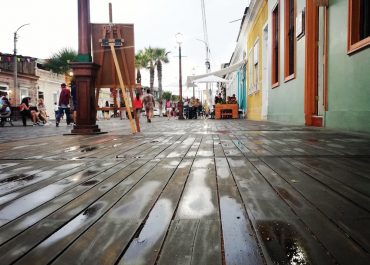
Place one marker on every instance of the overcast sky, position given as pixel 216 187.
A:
pixel 53 26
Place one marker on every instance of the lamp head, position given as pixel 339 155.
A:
pixel 179 38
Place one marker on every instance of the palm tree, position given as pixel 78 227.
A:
pixel 141 62
pixel 59 62
pixel 150 57
pixel 160 56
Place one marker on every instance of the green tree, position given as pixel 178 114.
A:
pixel 141 62
pixel 160 56
pixel 166 95
pixel 59 62
pixel 150 60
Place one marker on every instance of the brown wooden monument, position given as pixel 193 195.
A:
pixel 104 70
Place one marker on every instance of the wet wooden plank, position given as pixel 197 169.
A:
pixel 146 245
pixel 104 241
pixel 71 218
pixel 199 200
pixel 194 148
pixel 179 245
pixel 183 148
pixel 352 195
pixel 206 147
pixel 239 241
pixel 346 177
pixel 217 147
pixel 281 235
pixel 345 214
pixel 334 240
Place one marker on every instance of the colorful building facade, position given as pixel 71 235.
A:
pixel 319 63
pixel 257 20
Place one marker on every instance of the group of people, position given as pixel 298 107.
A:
pixel 66 106
pixel 37 114
pixel 5 109
pixel 193 108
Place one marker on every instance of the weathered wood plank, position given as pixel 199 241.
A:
pixel 70 219
pixel 323 228
pixel 281 235
pixel 200 199
pixel 109 232
pixel 345 214
pixel 145 247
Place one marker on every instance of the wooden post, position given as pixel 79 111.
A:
pixel 85 74
pixel 123 87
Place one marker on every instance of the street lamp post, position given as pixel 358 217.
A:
pixel 15 68
pixel 180 104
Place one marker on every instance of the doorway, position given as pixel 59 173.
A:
pixel 315 68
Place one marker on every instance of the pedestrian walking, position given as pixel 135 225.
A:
pixel 168 108
pixel 64 98
pixel 138 104
pixel 149 104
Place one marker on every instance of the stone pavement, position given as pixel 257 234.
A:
pixel 184 192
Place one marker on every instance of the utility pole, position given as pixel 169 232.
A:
pixel 207 62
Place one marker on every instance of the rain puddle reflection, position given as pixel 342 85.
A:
pixel 73 226
pixel 283 243
pixel 154 229
pixel 135 203
pixel 5 165
pixel 239 244
pixel 197 199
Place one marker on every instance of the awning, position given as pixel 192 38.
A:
pixel 211 79
pixel 219 73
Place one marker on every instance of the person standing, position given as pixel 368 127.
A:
pixel 168 108
pixel 64 98
pixel 106 113
pixel 138 104
pixel 74 101
pixel 149 104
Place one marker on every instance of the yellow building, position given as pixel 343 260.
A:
pixel 256 39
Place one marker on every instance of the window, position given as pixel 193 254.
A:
pixel 289 40
pixel 23 93
pixel 358 24
pixel 275 46
pixel 41 94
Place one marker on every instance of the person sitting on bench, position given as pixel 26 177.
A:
pixel 26 112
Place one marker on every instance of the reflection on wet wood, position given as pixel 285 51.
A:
pixel 193 192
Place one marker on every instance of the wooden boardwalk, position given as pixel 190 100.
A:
pixel 185 192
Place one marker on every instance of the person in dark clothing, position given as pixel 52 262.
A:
pixel 26 112
pixel 64 97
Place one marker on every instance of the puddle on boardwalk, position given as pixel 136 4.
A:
pixel 135 203
pixel 85 149
pixel 239 243
pixel 223 172
pixel 154 229
pixel 203 162
pixel 72 148
pixel 283 243
pixel 197 199
pixel 71 227
pixel 68 166
pixel 5 165
pixel 89 183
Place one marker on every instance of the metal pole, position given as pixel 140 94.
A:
pixel 15 68
pixel 180 106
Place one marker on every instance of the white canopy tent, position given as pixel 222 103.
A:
pixel 219 73
pixel 212 77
